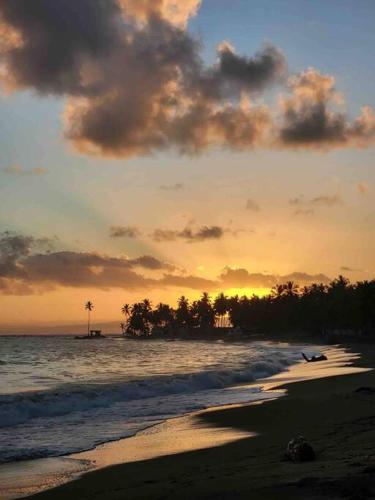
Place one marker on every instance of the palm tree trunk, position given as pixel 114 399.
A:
pixel 88 323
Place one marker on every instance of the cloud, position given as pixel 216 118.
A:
pixel 306 206
pixel 178 186
pixel 173 11
pixel 249 73
pixel 326 201
pixel 189 234
pixel 310 117
pixel 17 170
pixel 203 233
pixel 252 205
pixel 304 211
pixel 134 81
pixel 193 282
pixel 241 278
pixel 305 278
pixel 133 77
pixel 362 188
pixel 29 265
pixel 125 232
pixel 149 262
pixel 350 269
pixel 33 264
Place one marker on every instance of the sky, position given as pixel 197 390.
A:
pixel 161 148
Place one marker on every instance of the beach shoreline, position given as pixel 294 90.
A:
pixel 226 418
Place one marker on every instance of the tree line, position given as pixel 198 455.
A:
pixel 317 308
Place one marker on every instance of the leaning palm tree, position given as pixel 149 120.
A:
pixel 89 306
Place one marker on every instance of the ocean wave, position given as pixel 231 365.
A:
pixel 16 409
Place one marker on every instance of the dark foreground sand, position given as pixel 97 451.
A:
pixel 336 414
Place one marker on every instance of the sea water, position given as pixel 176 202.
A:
pixel 59 395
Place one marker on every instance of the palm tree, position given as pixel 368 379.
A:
pixel 278 291
pixel 183 313
pixel 138 323
pixel 291 289
pixel 126 312
pixel 203 311
pixel 221 307
pixel 89 306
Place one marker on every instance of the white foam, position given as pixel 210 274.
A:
pixel 20 408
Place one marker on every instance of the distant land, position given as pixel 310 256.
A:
pixel 59 329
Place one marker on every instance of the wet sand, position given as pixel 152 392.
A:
pixel 237 451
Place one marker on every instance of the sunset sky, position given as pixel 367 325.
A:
pixel 162 147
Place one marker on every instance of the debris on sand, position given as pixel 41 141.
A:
pixel 300 450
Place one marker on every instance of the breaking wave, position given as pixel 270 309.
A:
pixel 21 408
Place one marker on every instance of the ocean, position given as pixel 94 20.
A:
pixel 60 395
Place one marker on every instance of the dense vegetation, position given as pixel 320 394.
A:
pixel 317 308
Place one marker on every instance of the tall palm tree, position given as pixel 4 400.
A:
pixel 89 306
pixel 126 312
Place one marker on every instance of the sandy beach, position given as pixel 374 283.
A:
pixel 237 451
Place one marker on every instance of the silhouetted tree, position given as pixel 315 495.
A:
pixel 162 316
pixel 126 312
pixel 203 312
pixel 316 308
pixel 221 307
pixel 89 306
pixel 183 316
pixel 140 318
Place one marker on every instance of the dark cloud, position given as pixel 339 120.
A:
pixel 23 264
pixel 56 41
pixel 172 187
pixel 188 234
pixel 310 116
pixel 250 73
pixel 134 87
pixel 14 248
pixel 136 83
pixel 252 205
pixel 29 266
pixel 124 232
pixel 149 262
pixel 17 170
